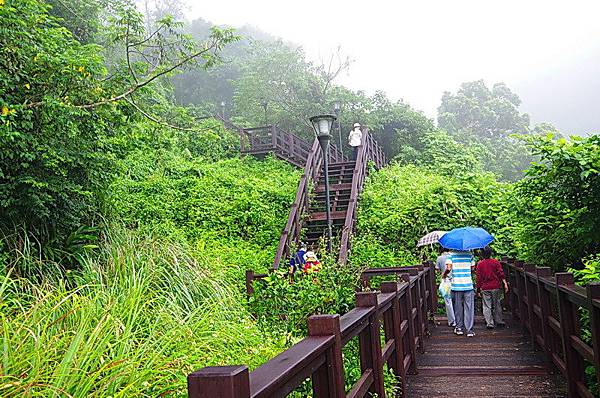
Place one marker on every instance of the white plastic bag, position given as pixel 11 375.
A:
pixel 444 289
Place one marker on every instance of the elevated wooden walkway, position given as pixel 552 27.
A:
pixel 544 351
pixel 494 363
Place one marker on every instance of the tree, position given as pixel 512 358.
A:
pixel 292 88
pixel 63 110
pixel 476 114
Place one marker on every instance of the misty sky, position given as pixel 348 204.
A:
pixel 546 51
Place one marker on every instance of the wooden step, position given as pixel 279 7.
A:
pixel 342 164
pixel 339 215
pixel 334 187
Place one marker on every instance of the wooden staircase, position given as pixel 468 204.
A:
pixel 307 220
pixel 340 186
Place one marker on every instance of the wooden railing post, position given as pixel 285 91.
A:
pixel 418 304
pixel 593 295
pixel 242 145
pixel 370 344
pixel 249 279
pixel 328 380
pixel 432 288
pixel 514 289
pixel 273 137
pixel 219 382
pixel 408 304
pixel 423 285
pixel 531 293
pixel 568 323
pixel 392 321
pixel 520 282
pixel 545 311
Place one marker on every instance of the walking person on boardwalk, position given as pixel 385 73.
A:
pixel 440 264
pixel 459 265
pixel 490 278
pixel 354 139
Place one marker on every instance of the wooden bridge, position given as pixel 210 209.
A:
pixel 542 352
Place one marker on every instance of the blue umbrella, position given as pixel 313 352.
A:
pixel 466 238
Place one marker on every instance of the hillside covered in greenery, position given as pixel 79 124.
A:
pixel 128 218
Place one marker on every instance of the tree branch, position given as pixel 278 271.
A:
pixel 163 123
pixel 144 83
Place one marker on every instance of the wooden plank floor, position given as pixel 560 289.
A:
pixel 494 363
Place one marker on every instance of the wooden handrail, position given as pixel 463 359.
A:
pixel 293 225
pixel 369 150
pixel 548 308
pixel 403 307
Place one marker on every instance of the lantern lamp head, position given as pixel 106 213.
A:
pixel 322 124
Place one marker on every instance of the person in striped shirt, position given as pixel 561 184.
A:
pixel 460 264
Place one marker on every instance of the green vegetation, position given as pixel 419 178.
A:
pixel 138 315
pixel 402 203
pixel 127 220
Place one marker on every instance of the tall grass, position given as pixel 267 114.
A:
pixel 138 316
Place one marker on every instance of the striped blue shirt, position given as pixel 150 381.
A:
pixel 461 270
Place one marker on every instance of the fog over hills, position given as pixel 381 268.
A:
pixel 546 52
pixel 567 96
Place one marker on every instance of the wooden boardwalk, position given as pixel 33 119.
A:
pixel 494 363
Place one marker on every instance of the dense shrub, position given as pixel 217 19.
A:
pixel 556 208
pixel 402 203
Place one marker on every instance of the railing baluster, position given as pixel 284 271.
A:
pixel 408 304
pixel 530 292
pixel 520 279
pixel 544 300
pixel 568 312
pixel 417 304
pixel 593 294
pixel 392 322
pixel 370 346
pixel 432 288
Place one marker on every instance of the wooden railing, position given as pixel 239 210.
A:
pixel 288 146
pixel 402 307
pixel 550 309
pixel 369 150
pixel 291 231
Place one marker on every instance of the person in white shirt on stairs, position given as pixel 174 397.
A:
pixel 354 139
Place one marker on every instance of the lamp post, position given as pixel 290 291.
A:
pixel 265 104
pixel 322 125
pixel 337 108
pixel 223 109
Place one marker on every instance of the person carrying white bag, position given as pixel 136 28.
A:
pixel 445 286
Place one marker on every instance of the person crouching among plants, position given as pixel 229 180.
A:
pixel 490 279
pixel 297 260
pixel 311 263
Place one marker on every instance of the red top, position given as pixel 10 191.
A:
pixel 489 274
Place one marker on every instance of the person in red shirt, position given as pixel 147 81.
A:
pixel 490 279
